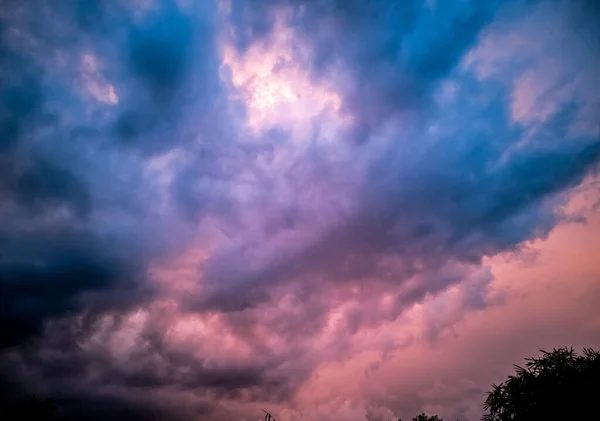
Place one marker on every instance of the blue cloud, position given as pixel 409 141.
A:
pixel 66 185
pixel 432 175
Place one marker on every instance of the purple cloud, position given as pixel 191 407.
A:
pixel 209 207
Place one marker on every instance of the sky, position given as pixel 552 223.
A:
pixel 331 210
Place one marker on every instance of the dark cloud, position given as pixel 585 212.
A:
pixel 54 261
pixel 159 54
pixel 44 185
pixel 77 403
pixel 21 95
pixel 45 275
pixel 56 179
pixel 394 52
pixel 426 201
pixel 161 49
pixel 75 245
pixel 75 364
pixel 172 63
pixel 429 176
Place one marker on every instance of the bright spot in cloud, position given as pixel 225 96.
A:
pixel 94 82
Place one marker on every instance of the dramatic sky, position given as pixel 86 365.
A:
pixel 335 210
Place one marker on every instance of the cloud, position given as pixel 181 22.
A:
pixel 67 193
pixel 382 69
pixel 209 208
pixel 450 376
pixel 425 199
pixel 172 63
pixel 47 274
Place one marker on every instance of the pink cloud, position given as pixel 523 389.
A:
pixel 329 219
pixel 437 355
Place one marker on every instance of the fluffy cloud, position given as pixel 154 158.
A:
pixel 212 206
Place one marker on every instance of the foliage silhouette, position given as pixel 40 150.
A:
pixel 268 416
pixel 423 417
pixel 559 385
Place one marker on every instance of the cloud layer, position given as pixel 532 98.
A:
pixel 212 207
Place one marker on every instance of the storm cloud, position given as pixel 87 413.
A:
pixel 207 205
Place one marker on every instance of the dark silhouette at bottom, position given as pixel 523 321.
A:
pixel 561 385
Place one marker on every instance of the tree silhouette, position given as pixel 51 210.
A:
pixel 268 416
pixel 423 417
pixel 559 385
